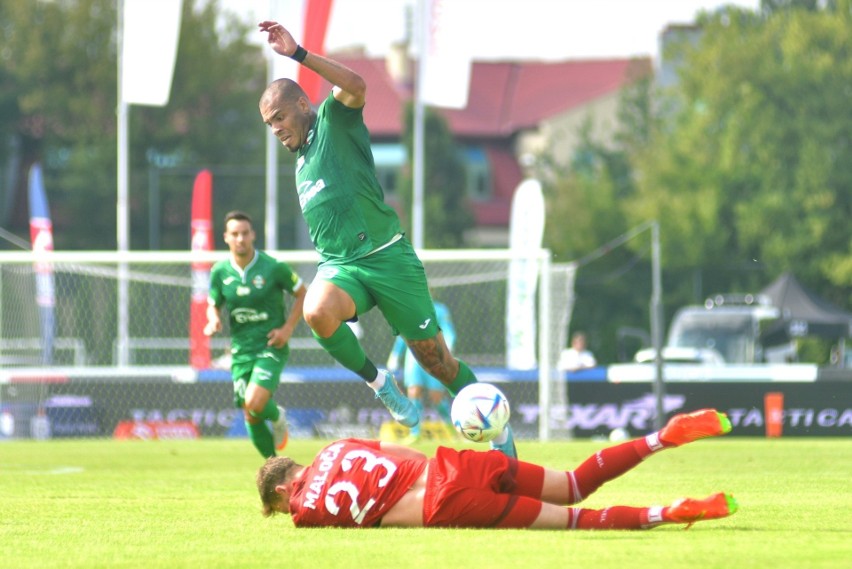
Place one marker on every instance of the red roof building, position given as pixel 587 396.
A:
pixel 514 109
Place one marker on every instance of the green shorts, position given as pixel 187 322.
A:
pixel 264 370
pixel 394 280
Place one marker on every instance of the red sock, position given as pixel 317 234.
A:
pixel 604 466
pixel 615 517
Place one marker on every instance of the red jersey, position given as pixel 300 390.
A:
pixel 351 483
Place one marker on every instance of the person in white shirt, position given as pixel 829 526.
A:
pixel 577 356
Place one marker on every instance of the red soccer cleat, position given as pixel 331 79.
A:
pixel 689 510
pixel 688 427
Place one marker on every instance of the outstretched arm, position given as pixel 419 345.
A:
pixel 349 87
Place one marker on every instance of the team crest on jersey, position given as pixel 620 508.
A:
pixel 258 281
pixel 327 273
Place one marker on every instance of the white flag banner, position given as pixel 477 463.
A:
pixel 446 60
pixel 150 33
pixel 291 15
pixel 526 229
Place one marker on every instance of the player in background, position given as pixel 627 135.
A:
pixel 365 260
pixel 357 483
pixel 251 285
pixel 420 385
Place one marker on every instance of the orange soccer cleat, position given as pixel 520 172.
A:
pixel 280 430
pixel 688 427
pixel 689 510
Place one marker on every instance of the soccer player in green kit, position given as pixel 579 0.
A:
pixel 365 260
pixel 251 285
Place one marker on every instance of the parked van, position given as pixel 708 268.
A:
pixel 727 329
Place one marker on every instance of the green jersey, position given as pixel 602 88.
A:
pixel 254 297
pixel 341 199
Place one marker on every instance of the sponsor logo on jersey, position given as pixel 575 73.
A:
pixel 228 280
pixel 243 290
pixel 244 315
pixel 308 189
pixel 425 323
pixel 328 273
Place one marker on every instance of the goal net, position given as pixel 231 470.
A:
pixel 111 348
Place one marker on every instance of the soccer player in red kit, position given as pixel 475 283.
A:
pixel 361 483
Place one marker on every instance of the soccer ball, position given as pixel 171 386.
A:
pixel 480 412
pixel 618 435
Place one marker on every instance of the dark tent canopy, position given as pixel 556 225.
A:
pixel 803 313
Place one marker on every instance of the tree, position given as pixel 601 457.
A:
pixel 446 212
pixel 57 101
pixel 584 211
pixel 751 171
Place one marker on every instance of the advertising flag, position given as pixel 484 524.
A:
pixel 41 236
pixel 446 61
pixel 526 230
pixel 201 240
pixel 150 33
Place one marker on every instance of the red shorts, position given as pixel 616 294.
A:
pixel 474 489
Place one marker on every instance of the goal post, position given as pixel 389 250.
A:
pixel 154 379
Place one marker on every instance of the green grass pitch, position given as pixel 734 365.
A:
pixel 104 503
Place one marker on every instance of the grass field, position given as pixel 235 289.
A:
pixel 103 503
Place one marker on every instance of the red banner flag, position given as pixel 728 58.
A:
pixel 201 240
pixel 317 13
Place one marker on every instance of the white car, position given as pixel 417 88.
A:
pixel 672 355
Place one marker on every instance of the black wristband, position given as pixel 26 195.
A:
pixel 300 54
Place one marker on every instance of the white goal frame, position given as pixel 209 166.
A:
pixel 551 320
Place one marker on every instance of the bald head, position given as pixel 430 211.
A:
pixel 285 108
pixel 282 91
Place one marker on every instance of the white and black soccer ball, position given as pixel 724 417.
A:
pixel 480 412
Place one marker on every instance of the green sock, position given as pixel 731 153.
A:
pixel 464 378
pixel 344 347
pixel 269 413
pixel 261 438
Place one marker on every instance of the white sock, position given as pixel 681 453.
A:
pixel 655 516
pixel 502 437
pixel 377 383
pixel 653 442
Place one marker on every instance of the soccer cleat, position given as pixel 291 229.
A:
pixel 689 510
pixel 688 427
pixel 508 448
pixel 280 431
pixel 401 408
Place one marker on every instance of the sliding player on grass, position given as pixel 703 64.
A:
pixel 357 483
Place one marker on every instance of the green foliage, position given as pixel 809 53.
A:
pixel 742 163
pixel 96 503
pixel 58 100
pixel 584 212
pixel 751 170
pixel 446 212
